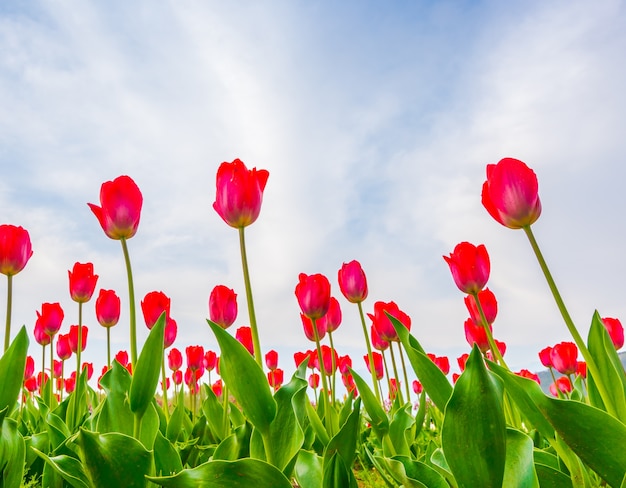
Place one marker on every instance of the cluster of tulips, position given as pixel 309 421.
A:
pixel 487 426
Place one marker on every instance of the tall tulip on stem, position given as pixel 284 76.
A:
pixel 239 194
pixel 119 215
pixel 108 308
pixel 82 285
pixel 49 322
pixel 15 251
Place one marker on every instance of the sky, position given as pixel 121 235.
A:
pixel 376 122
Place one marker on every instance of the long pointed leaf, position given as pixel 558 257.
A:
pixel 12 366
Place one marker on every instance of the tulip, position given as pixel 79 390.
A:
pixel 239 193
pixel 307 325
pixel 314 381
pixel 30 384
pixel 313 294
pixel 57 368
pixel 377 342
pixel 545 356
pixel 524 373
pixel 476 334
pixel 122 358
pixel 393 388
pixel 581 369
pixel 73 337
pixel 352 282
pixel 153 305
pixel 175 359
pixel 488 303
pixel 461 360
pixel 177 377
pixel 82 282
pixel 223 306
pixel 217 388
pixel 108 308
pixel 195 357
pixel 70 383
pixel 564 357
pixel 244 335
pixel 15 251
pixel 63 347
pixel 348 382
pixel 50 318
pixel 332 319
pixel 89 368
pixel 469 266
pixel 299 358
pixel 417 387
pixel 171 330
pixel 29 367
pixel 271 360
pixel 378 364
pixel 41 336
pixel 562 384
pixel 382 323
pixel 344 363
pixel 616 331
pixel 510 193
pixel 327 357
pixel 442 362
pixel 275 378
pixel 120 210
pixel 210 360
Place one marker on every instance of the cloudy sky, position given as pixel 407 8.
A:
pixel 375 121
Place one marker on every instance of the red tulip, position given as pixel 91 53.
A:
pixel 89 368
pixel 332 319
pixel 564 357
pixel 177 377
pixel 108 308
pixel 50 318
pixel 63 347
pixel 307 325
pixel 82 282
pixel 210 360
pixel 73 338
pixel 417 387
pixel 120 209
pixel 275 378
pixel 394 385
pixel 442 362
pixel 171 330
pixel 29 367
pixel 344 363
pixel 616 331
pixel 299 358
pixel 313 293
pixel 195 357
pixel 70 383
pixel 581 369
pixel 501 348
pixel 524 373
pixel 510 193
pixel 41 336
pixel 239 193
pixel 545 356
pixel 244 335
pixel 153 305
pixel 174 359
pixel 327 357
pixel 461 360
pixel 488 303
pixel 314 381
pixel 271 360
pixel 377 342
pixel 378 364
pixel 476 334
pixel 348 382
pixel 217 388
pixel 57 368
pixel 223 306
pixel 382 323
pixel 30 384
pixel 122 358
pixel 352 282
pixel 15 249
pixel 469 266
pixel 563 384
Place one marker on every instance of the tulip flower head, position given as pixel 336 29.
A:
pixel 352 282
pixel 488 303
pixel 461 360
pixel 565 357
pixel 41 336
pixel 120 209
pixel 417 387
pixel 469 265
pixel 210 360
pixel 271 359
pixel 378 364
pixel 377 342
pixel 510 193
pixel 174 359
pixel 275 378
pixel 239 193
pixel 108 308
pixel 562 384
pixel 524 373
pixel 29 367
pixel 73 337
pixel 313 294
pixel 476 334
pixel 63 347
pixel 171 330
pixel 122 358
pixel 153 305
pixel 307 325
pixel 82 282
pixel 382 323
pixel 545 356
pixel 50 318
pixel 244 335
pixel 442 362
pixel 15 249
pixel 314 381
pixel 195 357
pixel 332 319
pixel 616 331
pixel 223 306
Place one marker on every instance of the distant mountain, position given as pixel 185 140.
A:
pixel 546 378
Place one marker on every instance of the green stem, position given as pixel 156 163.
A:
pixel 43 364
pixel 109 347
pixel 137 425
pixel 51 371
pixel 386 372
pixel 131 300
pixel 166 407
pixel 406 378
pixel 246 278
pixel 79 346
pixel 334 365
pixel 225 412
pixel 395 372
pixel 591 364
pixel 7 327
pixel 492 343
pixel 370 356
pixel 320 362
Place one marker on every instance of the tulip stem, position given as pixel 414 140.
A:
pixel 320 363
pixel 369 353
pixel 7 328
pixel 79 345
pixel 591 364
pixel 492 343
pixel 166 407
pixel 51 370
pixel 334 365
pixel 406 378
pixel 109 347
pixel 395 372
pixel 131 300
pixel 246 278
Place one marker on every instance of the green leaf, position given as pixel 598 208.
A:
pixel 308 469
pixel 411 473
pixel 166 458
pixel 432 378
pixel 77 406
pixel 345 441
pixel 591 433
pixel 612 374
pixel 474 431
pixel 377 416
pixel 550 477
pixel 336 473
pixel 317 425
pixel 179 423
pixel 235 445
pixel 114 459
pixel 12 453
pixel 12 366
pixel 242 473
pixel 68 467
pixel 115 415
pixel 147 370
pixel 401 422
pixel 58 432
pixel 519 471
pixel 214 413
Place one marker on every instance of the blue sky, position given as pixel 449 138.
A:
pixel 375 122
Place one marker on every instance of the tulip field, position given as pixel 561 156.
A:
pixel 173 416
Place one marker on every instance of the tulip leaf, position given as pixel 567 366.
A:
pixel 115 415
pixel 12 452
pixel 591 433
pixel 147 370
pixel 611 370
pixel 401 422
pixel 413 474
pixel 432 378
pixel 166 458
pixel 336 473
pixel 245 380
pixel 344 442
pixel 234 446
pixel 12 365
pixel 68 467
pixel 114 459
pixel 519 471
pixel 242 473
pixel 377 416
pixel 58 432
pixel 473 434
pixel 317 425
pixel 308 469
pixel 77 403
pixel 550 477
